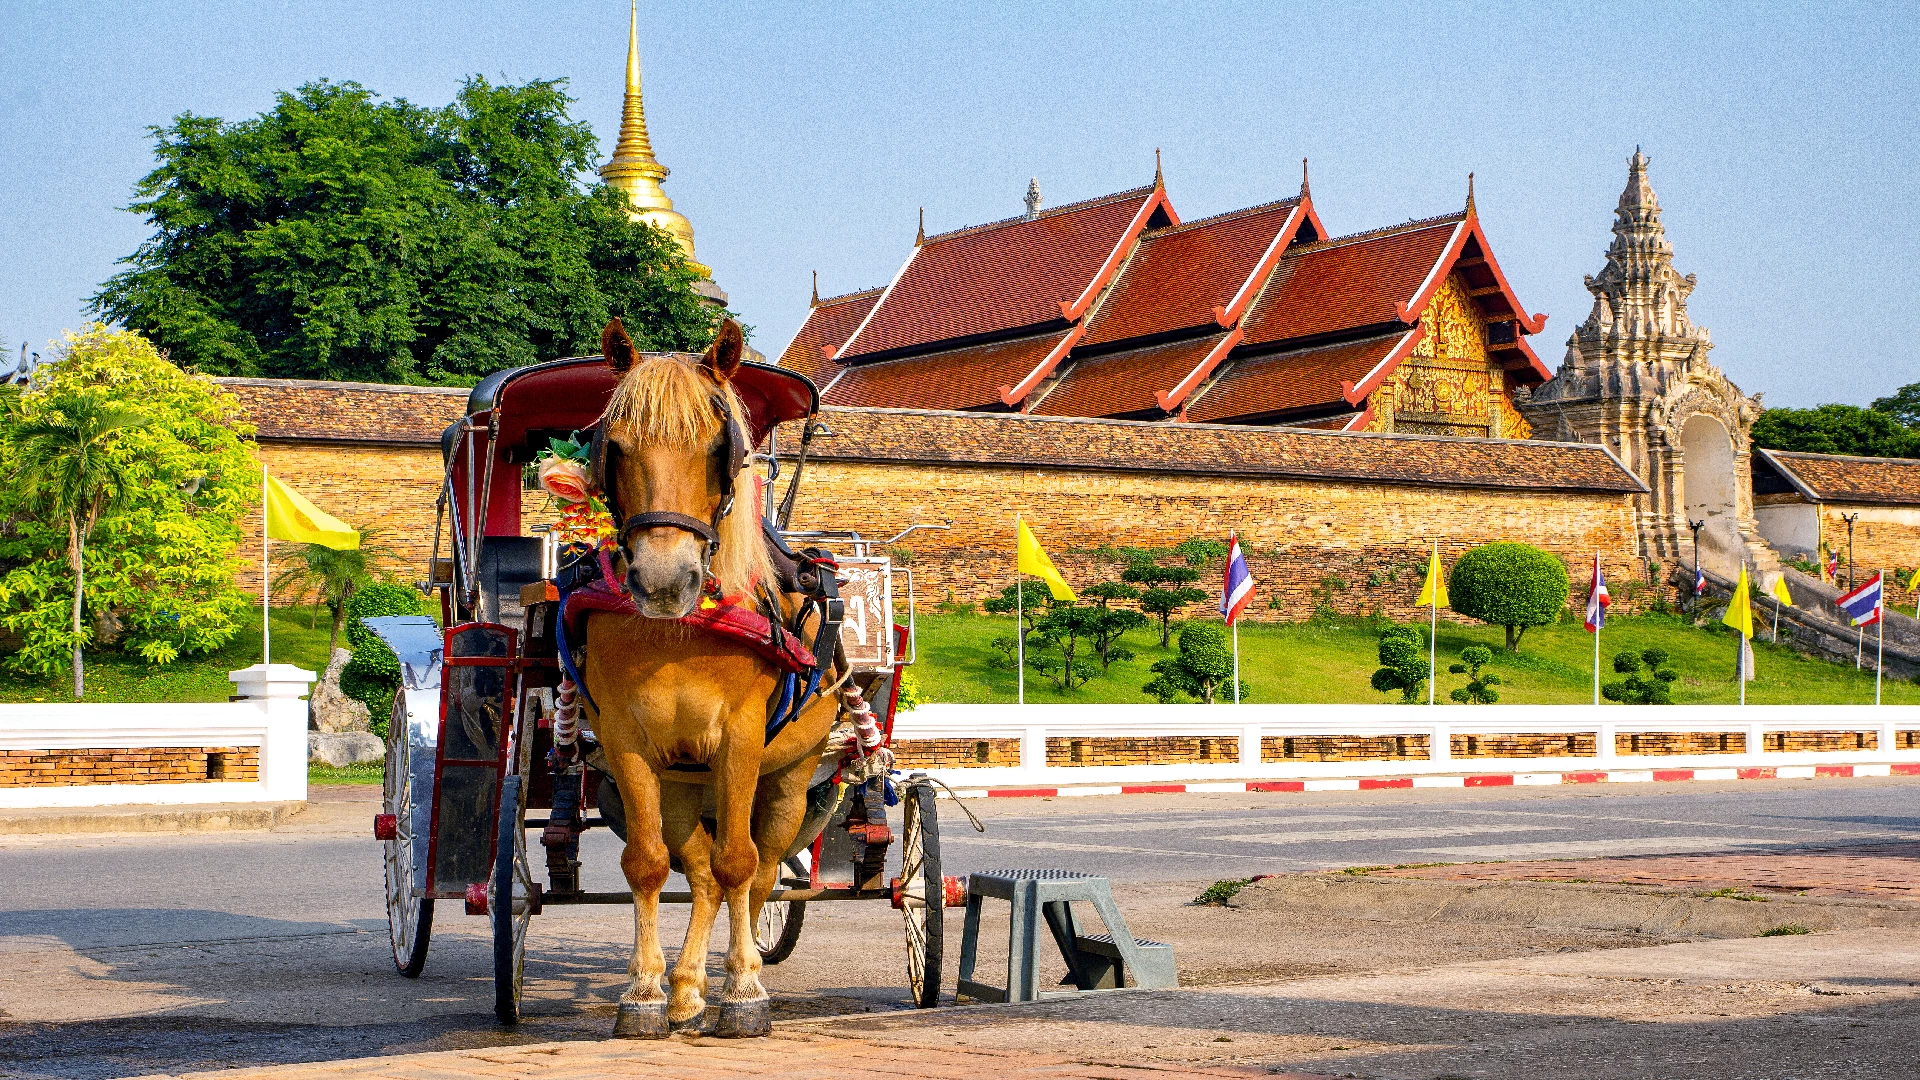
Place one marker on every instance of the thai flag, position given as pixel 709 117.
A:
pixel 1699 578
pixel 1862 605
pixel 1597 600
pixel 1238 589
pixel 1833 565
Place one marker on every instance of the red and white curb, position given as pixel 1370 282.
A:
pixel 1546 779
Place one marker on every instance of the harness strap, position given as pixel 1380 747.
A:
pixel 654 519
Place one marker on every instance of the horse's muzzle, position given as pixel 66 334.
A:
pixel 674 598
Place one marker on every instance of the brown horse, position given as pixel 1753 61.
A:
pixel 683 715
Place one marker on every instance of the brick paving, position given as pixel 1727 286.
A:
pixel 1885 871
pixel 792 1055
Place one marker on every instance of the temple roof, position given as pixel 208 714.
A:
pixel 1841 478
pixel 1140 312
pixel 831 322
pixel 1004 276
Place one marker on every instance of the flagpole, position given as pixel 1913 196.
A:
pixel 1236 663
pixel 1433 626
pixel 1743 667
pixel 1019 619
pixel 1880 637
pixel 266 626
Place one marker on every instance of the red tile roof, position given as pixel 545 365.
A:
pixel 830 323
pixel 1132 446
pixel 968 378
pixel 1349 282
pixel 1290 381
pixel 1841 478
pixel 367 414
pixel 1124 382
pixel 999 277
pixel 1177 276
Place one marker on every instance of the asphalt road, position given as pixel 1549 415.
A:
pixel 136 954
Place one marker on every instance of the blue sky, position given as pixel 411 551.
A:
pixel 1783 141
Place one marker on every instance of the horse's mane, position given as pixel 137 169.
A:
pixel 667 399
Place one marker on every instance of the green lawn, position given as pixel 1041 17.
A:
pixel 114 677
pixel 1306 662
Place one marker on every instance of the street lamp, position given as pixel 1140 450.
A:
pixel 1850 519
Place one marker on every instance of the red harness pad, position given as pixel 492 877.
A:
pixel 735 622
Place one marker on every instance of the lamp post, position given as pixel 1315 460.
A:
pixel 1693 595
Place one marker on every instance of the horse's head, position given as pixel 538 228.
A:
pixel 671 463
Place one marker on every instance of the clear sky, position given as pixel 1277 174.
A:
pixel 1784 141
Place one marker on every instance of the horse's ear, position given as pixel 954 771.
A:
pixel 616 346
pixel 723 356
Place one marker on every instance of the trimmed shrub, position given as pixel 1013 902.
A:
pixel 1510 585
pixel 373 674
pixel 1403 659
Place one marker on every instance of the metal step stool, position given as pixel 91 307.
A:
pixel 1094 962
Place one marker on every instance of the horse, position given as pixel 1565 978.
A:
pixel 681 715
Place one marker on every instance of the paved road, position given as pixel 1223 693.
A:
pixel 136 954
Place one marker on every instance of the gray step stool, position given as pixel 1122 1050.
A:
pixel 1094 962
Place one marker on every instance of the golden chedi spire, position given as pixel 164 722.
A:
pixel 634 169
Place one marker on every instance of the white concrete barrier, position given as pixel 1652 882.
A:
pixel 37 739
pixel 1245 726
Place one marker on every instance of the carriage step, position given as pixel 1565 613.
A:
pixel 1094 961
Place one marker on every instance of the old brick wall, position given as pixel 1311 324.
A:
pixel 389 488
pixel 1372 538
pixel 1884 538
pixel 124 765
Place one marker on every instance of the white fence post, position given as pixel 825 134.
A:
pixel 277 689
pixel 1440 743
pixel 1606 741
pixel 1250 747
pixel 1033 750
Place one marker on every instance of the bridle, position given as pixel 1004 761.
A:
pixel 602 468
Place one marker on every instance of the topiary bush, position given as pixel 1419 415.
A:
pixel 1202 669
pixel 1653 688
pixel 373 674
pixel 1510 585
pixel 1479 689
pixel 1403 659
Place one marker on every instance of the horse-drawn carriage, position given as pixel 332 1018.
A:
pixel 487 725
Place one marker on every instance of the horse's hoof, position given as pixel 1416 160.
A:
pixel 641 1020
pixel 697 1024
pixel 744 1019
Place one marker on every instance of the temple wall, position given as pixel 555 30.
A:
pixel 1885 538
pixel 1448 385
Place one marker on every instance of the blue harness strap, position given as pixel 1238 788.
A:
pixel 566 650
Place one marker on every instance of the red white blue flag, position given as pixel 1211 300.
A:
pixel 1238 588
pixel 1597 600
pixel 1862 605
pixel 1699 578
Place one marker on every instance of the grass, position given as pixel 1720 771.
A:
pixel 112 676
pixel 1220 892
pixel 363 773
pixel 1789 930
pixel 1320 662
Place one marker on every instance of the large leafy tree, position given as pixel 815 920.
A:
pixel 156 574
pixel 343 236
pixel 1903 405
pixel 1839 429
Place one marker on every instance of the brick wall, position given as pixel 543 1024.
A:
pixel 1885 538
pixel 138 765
pixel 1343 747
pixel 1819 741
pixel 1681 742
pixel 1153 750
pixel 1576 744
pixel 1372 537
pixel 956 753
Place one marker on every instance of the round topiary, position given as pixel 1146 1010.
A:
pixel 373 674
pixel 1509 585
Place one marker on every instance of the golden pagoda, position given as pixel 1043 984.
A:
pixel 634 169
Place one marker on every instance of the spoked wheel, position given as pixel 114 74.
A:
pixel 922 893
pixel 409 915
pixel 778 929
pixel 510 902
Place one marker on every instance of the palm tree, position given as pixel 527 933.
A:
pixel 66 467
pixel 333 576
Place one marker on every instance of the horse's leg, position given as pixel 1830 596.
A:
pixel 778 808
pixel 744 1011
pixel 643 1008
pixel 686 837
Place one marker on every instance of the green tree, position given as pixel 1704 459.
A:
pixel 331 575
pixel 1403 663
pixel 1168 589
pixel 1903 405
pixel 373 674
pixel 68 470
pixel 1200 669
pixel 1509 585
pixel 159 564
pixel 1060 642
pixel 1652 688
pixel 342 236
pixel 1838 429
pixel 1479 689
pixel 1113 622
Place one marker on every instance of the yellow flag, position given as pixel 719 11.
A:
pixel 1740 612
pixel 1030 559
pixel 1434 592
pixel 291 517
pixel 1780 591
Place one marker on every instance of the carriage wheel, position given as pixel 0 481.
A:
pixel 778 929
pixel 510 902
pixel 409 915
pixel 922 893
